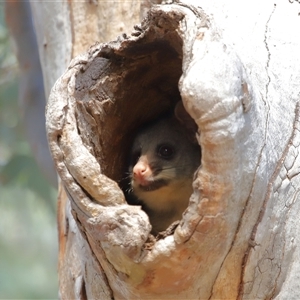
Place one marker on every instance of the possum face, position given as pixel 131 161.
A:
pixel 163 161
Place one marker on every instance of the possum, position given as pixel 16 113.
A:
pixel 163 160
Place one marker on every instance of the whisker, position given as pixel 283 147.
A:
pixel 129 190
pixel 177 166
pixel 129 176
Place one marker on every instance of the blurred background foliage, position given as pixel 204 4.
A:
pixel 28 237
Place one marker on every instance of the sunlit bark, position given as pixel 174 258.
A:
pixel 233 64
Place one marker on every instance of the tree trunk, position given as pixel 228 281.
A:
pixel 31 86
pixel 238 79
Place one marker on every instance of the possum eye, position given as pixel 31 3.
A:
pixel 165 151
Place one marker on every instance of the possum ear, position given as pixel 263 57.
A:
pixel 185 119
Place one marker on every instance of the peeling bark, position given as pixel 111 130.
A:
pixel 239 236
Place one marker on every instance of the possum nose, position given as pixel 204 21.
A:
pixel 141 171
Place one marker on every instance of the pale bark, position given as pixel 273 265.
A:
pixel 58 25
pixel 239 80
